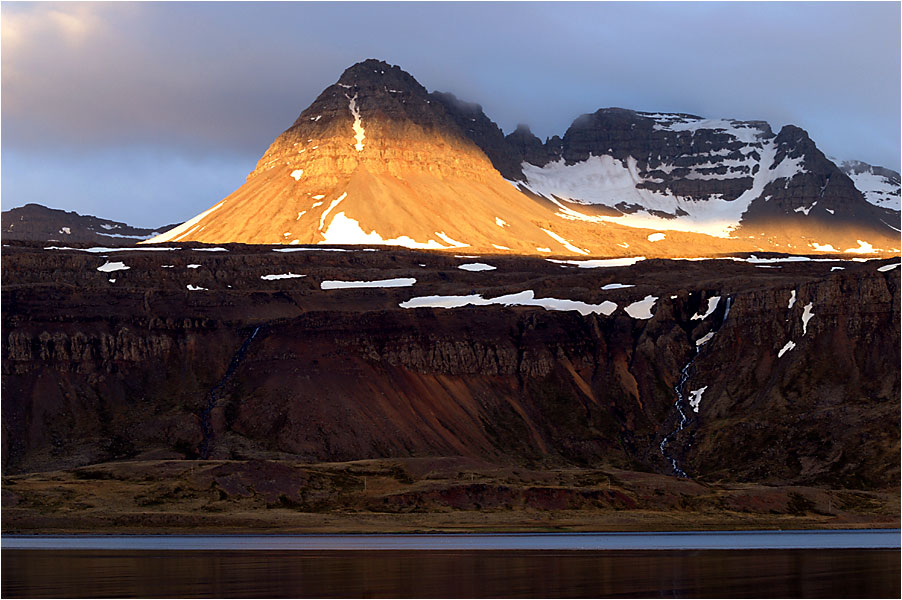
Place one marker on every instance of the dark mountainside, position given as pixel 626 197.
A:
pixel 34 222
pixel 166 362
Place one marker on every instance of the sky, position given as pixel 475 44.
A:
pixel 150 113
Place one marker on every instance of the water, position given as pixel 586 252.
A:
pixel 456 565
pixel 684 420
pixel 679 388
pixel 684 540
pixel 474 573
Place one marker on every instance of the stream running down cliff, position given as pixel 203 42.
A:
pixel 679 388
pixel 205 423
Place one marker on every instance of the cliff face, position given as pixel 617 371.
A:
pixel 248 367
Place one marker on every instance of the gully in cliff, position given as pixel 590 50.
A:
pixel 205 423
pixel 685 374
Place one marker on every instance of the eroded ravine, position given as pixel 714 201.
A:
pixel 205 416
pixel 679 388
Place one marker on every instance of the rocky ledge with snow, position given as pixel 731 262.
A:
pixel 359 353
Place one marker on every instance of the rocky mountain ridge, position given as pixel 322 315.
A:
pixel 673 170
pixel 378 159
pixel 39 223
pixel 879 185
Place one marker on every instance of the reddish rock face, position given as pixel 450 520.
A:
pixel 146 367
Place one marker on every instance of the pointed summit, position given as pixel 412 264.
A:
pixel 375 159
pixel 374 73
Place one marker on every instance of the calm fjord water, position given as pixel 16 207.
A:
pixel 678 540
pixel 448 568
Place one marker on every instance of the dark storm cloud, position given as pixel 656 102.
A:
pixel 210 83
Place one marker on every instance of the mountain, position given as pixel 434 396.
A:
pixel 34 222
pixel 722 177
pixel 376 159
pixel 879 185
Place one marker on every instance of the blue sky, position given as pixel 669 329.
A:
pixel 152 112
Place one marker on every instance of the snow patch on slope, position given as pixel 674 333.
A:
pixel 610 181
pixel 823 247
pixel 524 298
pixel 288 275
pixel 183 229
pixel 109 267
pixel 737 129
pixel 597 263
pixel 379 283
pixel 704 339
pixel 863 248
pixel 806 316
pixel 454 243
pixel 877 189
pixel 326 212
pixel 359 133
pixel 712 306
pixel 345 230
pixel 642 308
pixel 789 346
pixel 476 267
pixel 695 397
pixel 566 244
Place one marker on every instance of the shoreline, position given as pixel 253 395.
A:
pixel 314 524
pixel 219 497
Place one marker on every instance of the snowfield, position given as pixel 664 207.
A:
pixel 379 283
pixel 288 275
pixel 605 180
pixel 109 267
pixel 524 298
pixel 476 267
pixel 599 263
pixel 877 190
pixel 617 286
pixel 642 308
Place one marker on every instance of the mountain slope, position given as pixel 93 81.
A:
pixel 376 159
pixel 879 185
pixel 34 222
pixel 722 177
